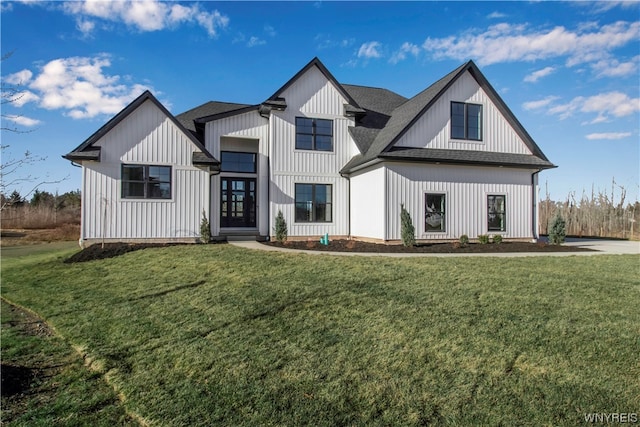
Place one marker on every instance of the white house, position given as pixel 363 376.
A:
pixel 334 158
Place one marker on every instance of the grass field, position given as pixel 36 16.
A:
pixel 202 335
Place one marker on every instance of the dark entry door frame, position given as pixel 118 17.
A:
pixel 237 202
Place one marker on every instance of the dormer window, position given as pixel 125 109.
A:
pixel 314 134
pixel 466 121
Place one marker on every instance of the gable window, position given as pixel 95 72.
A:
pixel 313 202
pixel 146 182
pixel 232 161
pixel 435 213
pixel 496 211
pixel 314 134
pixel 466 121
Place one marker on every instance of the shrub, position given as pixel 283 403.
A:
pixel 497 239
pixel 280 229
pixel 464 240
pixel 205 229
pixel 557 230
pixel 483 239
pixel 407 231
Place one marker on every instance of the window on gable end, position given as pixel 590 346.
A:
pixel 314 134
pixel 466 121
pixel 496 212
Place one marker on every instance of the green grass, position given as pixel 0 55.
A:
pixel 217 335
pixel 55 387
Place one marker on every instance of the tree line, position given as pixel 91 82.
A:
pixel 595 214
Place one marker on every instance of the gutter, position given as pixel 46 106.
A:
pixel 534 204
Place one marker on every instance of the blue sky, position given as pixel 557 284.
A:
pixel 568 70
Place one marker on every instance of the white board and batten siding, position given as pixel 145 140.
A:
pixel 466 189
pixel 368 203
pixel 432 130
pixel 148 137
pixel 247 132
pixel 312 95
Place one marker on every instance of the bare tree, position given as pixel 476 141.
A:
pixel 10 166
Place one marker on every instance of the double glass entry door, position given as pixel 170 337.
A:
pixel 238 202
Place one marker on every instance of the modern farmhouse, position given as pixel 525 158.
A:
pixel 334 158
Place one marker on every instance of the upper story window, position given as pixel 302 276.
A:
pixel 146 182
pixel 233 161
pixel 314 134
pixel 466 121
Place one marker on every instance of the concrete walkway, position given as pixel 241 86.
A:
pixel 601 247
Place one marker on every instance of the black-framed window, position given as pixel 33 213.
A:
pixel 146 182
pixel 314 134
pixel 496 213
pixel 435 212
pixel 466 121
pixel 235 161
pixel 314 202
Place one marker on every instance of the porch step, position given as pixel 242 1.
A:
pixel 242 238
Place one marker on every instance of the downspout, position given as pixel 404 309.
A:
pixel 534 204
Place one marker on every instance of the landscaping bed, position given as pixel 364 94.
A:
pixel 110 250
pixel 451 247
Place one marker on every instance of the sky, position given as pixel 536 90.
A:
pixel 569 71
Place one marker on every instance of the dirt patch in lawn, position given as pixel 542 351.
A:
pixel 437 248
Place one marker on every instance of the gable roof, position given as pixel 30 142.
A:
pixel 86 150
pixel 211 108
pixel 315 62
pixel 408 113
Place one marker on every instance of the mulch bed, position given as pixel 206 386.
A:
pixel 437 248
pixel 110 250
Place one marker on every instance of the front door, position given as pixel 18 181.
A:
pixel 237 202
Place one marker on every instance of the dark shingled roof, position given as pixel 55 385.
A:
pixel 375 99
pixel 207 109
pixel 466 157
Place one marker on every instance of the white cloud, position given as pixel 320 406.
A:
pixel 85 26
pixel 401 54
pixel 509 43
pixel 80 87
pixel 537 75
pixel 535 105
pixel 370 50
pixel 21 120
pixel 609 135
pixel 23 97
pixel 496 15
pixel 255 41
pixel 18 79
pixel 608 104
pixel 145 15
pixel 271 32
pixel 614 68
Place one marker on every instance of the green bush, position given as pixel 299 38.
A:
pixel 464 240
pixel 557 230
pixel 407 231
pixel 483 239
pixel 497 239
pixel 280 229
pixel 205 229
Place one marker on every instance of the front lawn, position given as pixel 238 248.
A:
pixel 202 335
